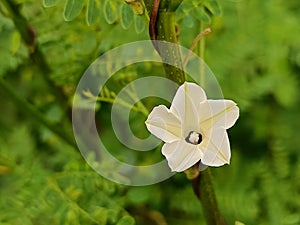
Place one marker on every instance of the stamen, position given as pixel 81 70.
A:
pixel 194 138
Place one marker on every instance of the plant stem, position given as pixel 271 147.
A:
pixel 204 190
pixel 202 185
pixel 26 30
pixel 164 24
pixel 166 31
pixel 162 27
pixel 194 44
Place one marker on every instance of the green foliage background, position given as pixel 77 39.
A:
pixel 254 50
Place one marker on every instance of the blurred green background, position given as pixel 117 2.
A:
pixel 45 46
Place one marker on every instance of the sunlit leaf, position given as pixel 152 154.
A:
pixel 214 7
pixel 72 9
pixel 139 24
pixel 100 214
pixel 110 11
pixel 126 16
pixel 49 3
pixel 202 15
pixel 15 42
pixel 238 223
pixel 93 11
pixel 188 20
pixel 126 220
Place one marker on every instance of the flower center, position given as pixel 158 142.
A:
pixel 194 138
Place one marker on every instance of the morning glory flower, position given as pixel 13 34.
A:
pixel 194 128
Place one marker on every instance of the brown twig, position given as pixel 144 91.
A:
pixel 152 23
pixel 193 45
pixel 203 189
pixel 196 186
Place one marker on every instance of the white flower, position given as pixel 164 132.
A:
pixel 194 128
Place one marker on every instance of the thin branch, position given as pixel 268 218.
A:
pixel 195 183
pixel 195 41
pixel 139 108
pixel 204 190
pixel 162 27
pixel 54 185
pixel 152 23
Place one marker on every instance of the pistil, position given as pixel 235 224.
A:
pixel 194 138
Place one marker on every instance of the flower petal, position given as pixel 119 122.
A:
pixel 181 155
pixel 164 124
pixel 218 113
pixel 202 166
pixel 216 148
pixel 185 103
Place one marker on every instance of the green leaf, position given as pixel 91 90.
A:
pixel 93 11
pixel 188 20
pixel 139 24
pixel 15 42
pixel 126 16
pixel 139 195
pixel 49 3
pixel 214 7
pixel 201 15
pixel 110 11
pixel 286 90
pixel 72 9
pixel 238 223
pixel 126 220
pixel 100 214
pixel 65 213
